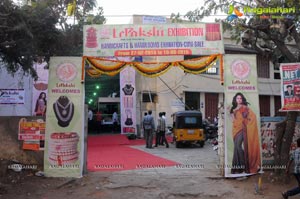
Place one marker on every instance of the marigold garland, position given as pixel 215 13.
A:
pixel 150 69
pixel 199 63
pixel 93 73
pixel 199 70
pixel 105 65
pixel 154 73
pixel 108 71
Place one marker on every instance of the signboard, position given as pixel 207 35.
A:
pixel 154 20
pixel 242 117
pixel 32 132
pixel 153 39
pixel 64 141
pixel 12 96
pixel 290 86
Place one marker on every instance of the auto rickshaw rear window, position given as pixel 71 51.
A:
pixel 189 122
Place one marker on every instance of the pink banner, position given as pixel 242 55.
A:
pixel 128 100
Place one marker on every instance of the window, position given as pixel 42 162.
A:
pixel 149 97
pixel 185 122
pixel 264 105
pixel 190 120
pixel 192 100
pixel 263 66
pixel 214 70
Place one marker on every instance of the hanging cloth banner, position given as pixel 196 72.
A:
pixel 242 117
pixel 128 101
pixel 153 39
pixel 290 86
pixel 100 66
pixel 64 139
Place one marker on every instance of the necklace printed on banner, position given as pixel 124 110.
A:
pixel 63 115
pixel 128 89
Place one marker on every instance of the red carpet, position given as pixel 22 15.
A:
pixel 113 153
pixel 107 140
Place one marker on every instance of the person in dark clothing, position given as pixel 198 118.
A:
pixel 295 157
pixel 149 126
pixel 161 131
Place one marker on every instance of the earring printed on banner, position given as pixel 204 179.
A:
pixel 128 121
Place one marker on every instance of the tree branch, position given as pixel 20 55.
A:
pixel 285 51
pixel 295 35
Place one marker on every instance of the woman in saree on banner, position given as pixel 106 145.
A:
pixel 41 105
pixel 246 151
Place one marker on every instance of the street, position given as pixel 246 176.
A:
pixel 196 176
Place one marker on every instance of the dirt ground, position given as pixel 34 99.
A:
pixel 167 183
pixel 133 184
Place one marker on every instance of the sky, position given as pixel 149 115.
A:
pixel 120 12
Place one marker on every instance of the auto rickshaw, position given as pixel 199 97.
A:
pixel 188 128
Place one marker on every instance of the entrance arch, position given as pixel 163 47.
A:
pixel 206 37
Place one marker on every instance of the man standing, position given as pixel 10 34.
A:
pixel 145 114
pixel 161 131
pixel 115 121
pixel 296 158
pixel 149 126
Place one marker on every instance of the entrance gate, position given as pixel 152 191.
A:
pixel 64 155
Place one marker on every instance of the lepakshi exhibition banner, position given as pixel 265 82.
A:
pixel 64 139
pixel 242 118
pixel 153 39
pixel 290 86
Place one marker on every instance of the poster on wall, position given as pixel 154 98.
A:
pixel 242 117
pixel 268 138
pixel 12 96
pixel 290 86
pixel 39 90
pixel 64 139
pixel 32 133
pixel 128 101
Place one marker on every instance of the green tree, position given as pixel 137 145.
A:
pixel 276 36
pixel 42 29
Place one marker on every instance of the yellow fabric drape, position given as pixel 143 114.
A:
pixel 150 69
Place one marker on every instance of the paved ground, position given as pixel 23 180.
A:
pixel 198 177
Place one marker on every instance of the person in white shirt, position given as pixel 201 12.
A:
pixel 90 119
pixel 115 120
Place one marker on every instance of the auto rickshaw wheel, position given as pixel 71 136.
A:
pixel 201 143
pixel 178 144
